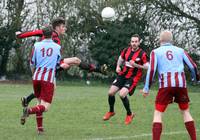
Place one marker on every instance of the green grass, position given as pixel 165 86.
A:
pixel 77 111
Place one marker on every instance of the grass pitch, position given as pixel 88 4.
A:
pixel 77 110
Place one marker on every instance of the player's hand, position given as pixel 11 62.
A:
pixel 133 63
pixel 144 93
pixel 118 69
pixel 18 33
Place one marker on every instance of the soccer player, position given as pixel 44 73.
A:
pixel 45 56
pixel 59 29
pixel 169 61
pixel 132 60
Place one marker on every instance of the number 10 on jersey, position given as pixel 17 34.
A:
pixel 46 52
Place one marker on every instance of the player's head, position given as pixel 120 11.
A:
pixel 58 25
pixel 47 31
pixel 166 37
pixel 135 41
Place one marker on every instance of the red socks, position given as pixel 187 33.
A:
pixel 39 119
pixel 191 129
pixel 156 131
pixel 36 109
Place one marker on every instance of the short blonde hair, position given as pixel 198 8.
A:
pixel 166 36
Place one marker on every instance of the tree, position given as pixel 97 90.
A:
pixel 181 17
pixel 7 30
pixel 111 37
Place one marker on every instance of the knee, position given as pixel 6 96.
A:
pixel 185 112
pixel 111 93
pixel 157 116
pixel 122 94
pixel 47 108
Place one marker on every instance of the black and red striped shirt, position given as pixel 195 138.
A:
pixel 138 56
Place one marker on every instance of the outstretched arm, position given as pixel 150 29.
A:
pixel 29 33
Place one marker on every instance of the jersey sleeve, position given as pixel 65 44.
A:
pixel 123 53
pixel 151 71
pixel 30 34
pixel 192 66
pixel 59 61
pixel 145 58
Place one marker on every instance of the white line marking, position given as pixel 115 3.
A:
pixel 139 136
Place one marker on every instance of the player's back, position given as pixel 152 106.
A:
pixel 169 58
pixel 47 55
pixel 170 66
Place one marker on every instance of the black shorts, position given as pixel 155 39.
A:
pixel 128 83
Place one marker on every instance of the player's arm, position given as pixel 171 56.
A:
pixel 29 33
pixel 33 60
pixel 144 61
pixel 120 61
pixel 144 66
pixel 192 66
pixel 150 73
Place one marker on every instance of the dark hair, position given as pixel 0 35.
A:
pixel 47 31
pixel 57 22
pixel 136 35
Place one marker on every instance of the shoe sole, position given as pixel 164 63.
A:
pixel 104 69
pixel 23 120
pixel 24 116
pixel 23 102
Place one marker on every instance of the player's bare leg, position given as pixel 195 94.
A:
pixel 83 65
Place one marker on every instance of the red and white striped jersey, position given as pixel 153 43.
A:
pixel 169 61
pixel 45 56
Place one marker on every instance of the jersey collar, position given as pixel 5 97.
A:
pixel 166 44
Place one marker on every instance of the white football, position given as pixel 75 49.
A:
pixel 108 13
pixel 88 82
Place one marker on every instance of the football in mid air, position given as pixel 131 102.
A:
pixel 108 13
